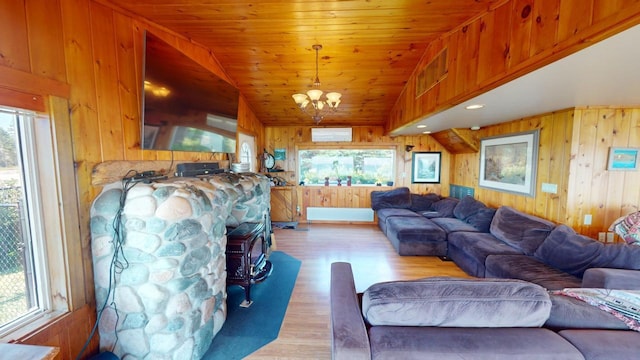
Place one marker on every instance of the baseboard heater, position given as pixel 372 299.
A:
pixel 339 214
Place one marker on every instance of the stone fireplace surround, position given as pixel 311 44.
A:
pixel 165 292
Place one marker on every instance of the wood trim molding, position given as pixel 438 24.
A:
pixel 112 171
pixel 22 100
pixel 33 84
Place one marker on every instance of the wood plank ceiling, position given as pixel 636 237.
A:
pixel 370 48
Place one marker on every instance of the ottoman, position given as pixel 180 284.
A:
pixel 416 236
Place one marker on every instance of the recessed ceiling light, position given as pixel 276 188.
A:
pixel 474 106
pixel 426 132
pixel 421 126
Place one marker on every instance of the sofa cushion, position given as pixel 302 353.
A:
pixel 385 214
pixel 416 236
pixel 566 250
pixel 456 302
pixel 604 344
pixel 611 279
pixel 450 225
pixel 399 198
pixel 480 245
pixel 523 231
pixel 437 343
pixel 527 268
pixel 481 219
pixel 571 313
pixel 423 202
pixel 467 207
pixel 444 207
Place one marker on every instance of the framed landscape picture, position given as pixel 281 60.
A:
pixel 425 167
pixel 509 163
pixel 623 159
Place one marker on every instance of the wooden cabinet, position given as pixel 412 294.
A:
pixel 284 199
pixel 283 203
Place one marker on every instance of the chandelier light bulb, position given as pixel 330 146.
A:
pixel 300 99
pixel 333 99
pixel 314 94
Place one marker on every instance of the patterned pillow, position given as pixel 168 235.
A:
pixel 628 228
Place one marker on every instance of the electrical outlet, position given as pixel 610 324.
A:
pixel 609 237
pixel 298 209
pixel 587 219
pixel 601 236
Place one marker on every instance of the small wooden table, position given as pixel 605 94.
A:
pixel 28 352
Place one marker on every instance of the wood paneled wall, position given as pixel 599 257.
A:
pixel 292 137
pixel 554 155
pixel 593 189
pixel 510 40
pixel 573 153
pixel 91 54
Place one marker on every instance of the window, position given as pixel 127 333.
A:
pixel 245 154
pixel 364 166
pixel 39 232
pixel 21 253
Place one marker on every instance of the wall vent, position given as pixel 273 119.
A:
pixel 331 134
pixel 432 74
pixel 459 191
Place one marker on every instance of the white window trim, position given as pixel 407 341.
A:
pixel 60 221
pixel 397 163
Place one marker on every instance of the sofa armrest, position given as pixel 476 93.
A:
pixel 620 279
pixel 349 338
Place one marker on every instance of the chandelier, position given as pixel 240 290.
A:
pixel 312 103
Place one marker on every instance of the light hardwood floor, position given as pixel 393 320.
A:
pixel 305 333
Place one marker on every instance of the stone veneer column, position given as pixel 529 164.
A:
pixel 164 283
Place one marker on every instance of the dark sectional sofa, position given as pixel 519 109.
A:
pixel 518 260
pixel 497 243
pixel 452 318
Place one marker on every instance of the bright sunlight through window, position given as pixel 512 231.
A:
pixel 363 166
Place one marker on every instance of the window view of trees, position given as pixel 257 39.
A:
pixel 364 166
pixel 8 156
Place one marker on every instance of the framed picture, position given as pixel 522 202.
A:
pixel 623 158
pixel 425 167
pixel 280 154
pixel 509 163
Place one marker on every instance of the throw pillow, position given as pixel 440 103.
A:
pixel 571 252
pixel 628 228
pixel 481 219
pixel 467 207
pixel 445 207
pixel 424 202
pixel 522 231
pixel 456 302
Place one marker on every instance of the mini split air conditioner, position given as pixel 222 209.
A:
pixel 331 134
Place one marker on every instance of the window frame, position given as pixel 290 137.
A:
pixel 59 233
pixel 397 161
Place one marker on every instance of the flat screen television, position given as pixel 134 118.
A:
pixel 185 106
